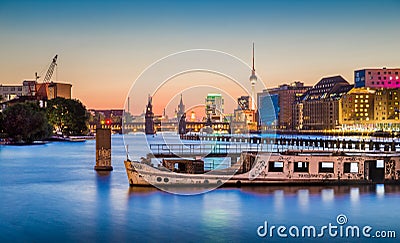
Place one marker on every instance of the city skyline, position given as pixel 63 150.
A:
pixel 104 46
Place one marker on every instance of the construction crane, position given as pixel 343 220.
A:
pixel 41 89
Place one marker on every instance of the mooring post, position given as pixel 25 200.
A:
pixel 103 149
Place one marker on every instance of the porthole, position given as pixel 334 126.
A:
pixel 238 183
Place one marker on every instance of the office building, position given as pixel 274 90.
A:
pixel 388 78
pixel 356 108
pixel 214 107
pixel 318 108
pixel 282 98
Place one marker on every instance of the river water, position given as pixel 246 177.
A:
pixel 50 193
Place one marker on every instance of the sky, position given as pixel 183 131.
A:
pixel 104 46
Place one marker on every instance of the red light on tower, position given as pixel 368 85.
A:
pixel 108 121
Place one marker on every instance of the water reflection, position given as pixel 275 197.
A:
pixel 138 191
pixel 303 199
pixel 279 197
pixel 328 195
pixel 355 195
pixel 327 191
pixel 103 175
pixel 103 203
pixel 380 190
pixel 179 190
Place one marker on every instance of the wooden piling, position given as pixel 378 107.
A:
pixel 103 149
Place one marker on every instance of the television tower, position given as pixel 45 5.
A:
pixel 253 81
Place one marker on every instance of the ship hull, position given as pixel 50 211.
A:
pixel 261 173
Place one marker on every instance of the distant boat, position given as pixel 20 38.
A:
pixel 76 139
pixel 23 143
pixel 71 138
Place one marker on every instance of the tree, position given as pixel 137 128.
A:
pixel 26 122
pixel 67 116
pixel 1 122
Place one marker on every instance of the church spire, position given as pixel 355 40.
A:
pixel 181 109
pixel 181 102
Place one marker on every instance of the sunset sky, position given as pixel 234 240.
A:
pixel 103 46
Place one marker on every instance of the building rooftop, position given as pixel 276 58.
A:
pixel 361 90
pixel 383 68
pixel 214 95
pixel 328 88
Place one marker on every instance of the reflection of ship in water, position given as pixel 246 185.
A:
pixel 141 190
pixel 317 190
pixel 289 168
pixel 354 191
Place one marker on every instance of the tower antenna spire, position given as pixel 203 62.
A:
pixel 253 58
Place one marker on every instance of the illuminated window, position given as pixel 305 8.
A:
pixel 301 167
pixel 367 105
pixel 326 167
pixel 380 164
pixel 366 114
pixel 275 166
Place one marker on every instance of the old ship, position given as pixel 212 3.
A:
pixel 263 168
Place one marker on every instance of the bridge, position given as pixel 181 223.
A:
pixel 299 143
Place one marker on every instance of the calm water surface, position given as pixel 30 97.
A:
pixel 50 193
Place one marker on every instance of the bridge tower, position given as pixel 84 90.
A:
pixel 149 118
